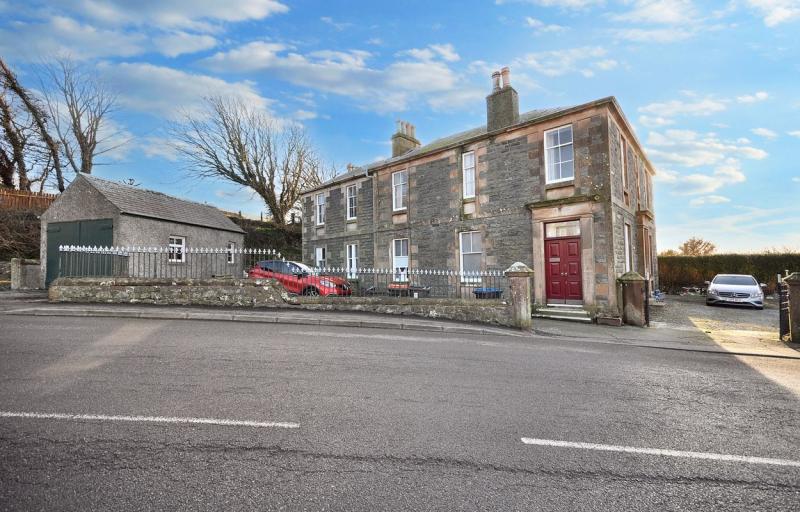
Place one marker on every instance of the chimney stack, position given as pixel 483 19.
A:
pixel 502 105
pixel 404 139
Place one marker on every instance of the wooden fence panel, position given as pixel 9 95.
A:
pixel 28 201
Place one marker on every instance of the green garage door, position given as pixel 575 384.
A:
pixel 84 232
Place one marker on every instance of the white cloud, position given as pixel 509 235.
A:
pixel 667 12
pixel 338 25
pixel 62 35
pixel 764 132
pixel 776 12
pixel 167 92
pixel 654 35
pixel 184 14
pixel 796 179
pixel 606 64
pixel 445 52
pixel 419 74
pixel 563 4
pixel 179 43
pixel 655 121
pixel 693 149
pixel 794 133
pixel 711 199
pixel 562 62
pixel 304 115
pixel 692 107
pixel 90 29
pixel 753 98
pixel 541 27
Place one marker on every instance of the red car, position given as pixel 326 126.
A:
pixel 300 279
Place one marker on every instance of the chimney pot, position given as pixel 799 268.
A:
pixel 506 74
pixel 496 81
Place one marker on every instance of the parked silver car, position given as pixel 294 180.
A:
pixel 735 289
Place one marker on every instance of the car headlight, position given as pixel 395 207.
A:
pixel 757 295
pixel 327 283
pixel 712 291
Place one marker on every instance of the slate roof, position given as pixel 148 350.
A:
pixel 445 142
pixel 155 205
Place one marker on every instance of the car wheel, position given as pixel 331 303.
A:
pixel 709 303
pixel 311 292
pixel 760 308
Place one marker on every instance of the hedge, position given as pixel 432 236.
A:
pixel 675 272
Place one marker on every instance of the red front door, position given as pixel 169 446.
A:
pixel 563 261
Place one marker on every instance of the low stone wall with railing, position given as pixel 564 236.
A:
pixel 261 278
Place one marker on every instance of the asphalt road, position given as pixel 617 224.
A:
pixel 385 421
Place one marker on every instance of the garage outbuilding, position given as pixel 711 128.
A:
pixel 97 212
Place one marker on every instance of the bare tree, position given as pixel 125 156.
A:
pixel 697 247
pixel 38 116
pixel 243 145
pixel 79 104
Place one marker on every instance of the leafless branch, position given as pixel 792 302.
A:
pixel 242 145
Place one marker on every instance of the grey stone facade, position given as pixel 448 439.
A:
pixel 513 202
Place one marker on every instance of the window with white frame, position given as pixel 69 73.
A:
pixel 468 174
pixel 230 251
pixel 319 257
pixel 176 252
pixel 628 255
pixel 352 260
pixel 471 255
pixel 558 154
pixel 352 202
pixel 320 202
pixel 400 259
pixel 399 190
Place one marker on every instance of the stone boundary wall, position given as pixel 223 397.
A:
pixel 258 293
pixel 267 293
pixel 488 311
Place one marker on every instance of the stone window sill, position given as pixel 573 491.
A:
pixel 468 200
pixel 560 184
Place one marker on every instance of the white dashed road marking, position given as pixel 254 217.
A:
pixel 149 419
pixel 667 453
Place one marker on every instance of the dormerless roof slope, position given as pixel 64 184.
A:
pixel 155 205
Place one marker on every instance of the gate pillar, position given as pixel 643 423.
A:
pixel 633 298
pixel 794 306
pixel 519 280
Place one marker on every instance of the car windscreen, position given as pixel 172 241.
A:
pixel 300 267
pixel 736 280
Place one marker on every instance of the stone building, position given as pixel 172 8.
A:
pixel 567 191
pixel 98 212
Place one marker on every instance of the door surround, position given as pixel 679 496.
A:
pixel 584 212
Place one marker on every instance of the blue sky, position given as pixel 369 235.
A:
pixel 710 87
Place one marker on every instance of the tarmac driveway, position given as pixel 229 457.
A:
pixel 724 325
